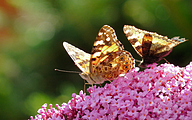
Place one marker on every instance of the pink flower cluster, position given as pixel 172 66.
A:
pixel 160 93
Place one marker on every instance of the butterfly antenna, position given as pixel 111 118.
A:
pixel 67 71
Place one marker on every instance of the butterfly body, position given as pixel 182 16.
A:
pixel 107 60
pixel 149 45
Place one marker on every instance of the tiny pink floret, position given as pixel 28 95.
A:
pixel 159 92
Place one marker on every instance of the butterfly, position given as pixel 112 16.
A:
pixel 107 60
pixel 149 45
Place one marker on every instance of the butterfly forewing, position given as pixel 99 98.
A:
pixel 106 42
pixel 80 57
pixel 108 59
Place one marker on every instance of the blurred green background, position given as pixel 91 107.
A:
pixel 32 33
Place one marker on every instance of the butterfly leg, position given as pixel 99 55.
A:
pixel 110 81
pixel 91 85
pixel 93 90
pixel 166 61
pixel 84 85
pixel 137 60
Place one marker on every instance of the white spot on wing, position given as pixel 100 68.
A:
pixel 100 33
pixel 99 43
pixel 137 44
pixel 96 54
pixel 108 39
pixel 126 31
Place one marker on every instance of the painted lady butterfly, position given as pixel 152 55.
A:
pixel 149 45
pixel 107 60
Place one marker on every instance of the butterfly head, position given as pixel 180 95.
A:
pixel 87 78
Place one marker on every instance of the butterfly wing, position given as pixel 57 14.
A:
pixel 80 57
pixel 151 46
pixel 135 37
pixel 108 59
